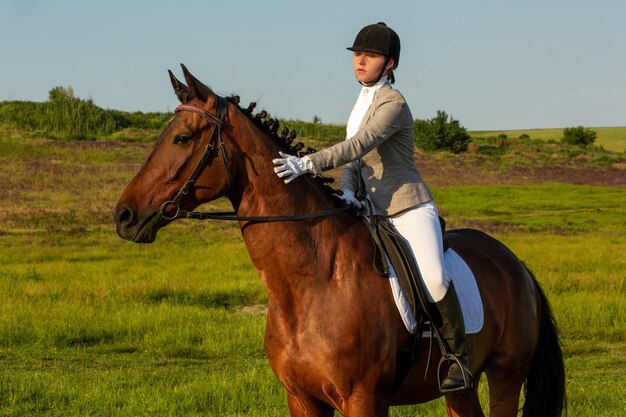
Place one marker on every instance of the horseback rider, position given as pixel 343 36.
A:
pixel 378 153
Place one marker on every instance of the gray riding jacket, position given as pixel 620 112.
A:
pixel 382 150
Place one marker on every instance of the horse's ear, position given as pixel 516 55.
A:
pixel 180 89
pixel 196 88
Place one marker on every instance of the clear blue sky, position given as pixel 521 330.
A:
pixel 492 64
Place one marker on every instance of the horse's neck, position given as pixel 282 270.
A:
pixel 293 257
pixel 257 190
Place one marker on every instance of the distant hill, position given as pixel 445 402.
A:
pixel 610 138
pixel 65 116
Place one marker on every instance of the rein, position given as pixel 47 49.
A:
pixel 231 215
pixel 218 123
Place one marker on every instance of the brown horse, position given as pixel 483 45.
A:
pixel 333 335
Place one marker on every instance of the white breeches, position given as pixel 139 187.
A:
pixel 420 227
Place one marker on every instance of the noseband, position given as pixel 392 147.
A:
pixel 216 135
pixel 217 122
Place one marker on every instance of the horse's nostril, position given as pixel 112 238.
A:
pixel 125 216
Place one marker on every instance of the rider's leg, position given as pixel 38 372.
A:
pixel 420 227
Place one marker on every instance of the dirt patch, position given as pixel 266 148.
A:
pixel 254 310
pixel 442 172
pixel 98 144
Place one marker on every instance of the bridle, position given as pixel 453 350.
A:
pixel 216 136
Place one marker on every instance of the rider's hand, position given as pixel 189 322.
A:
pixel 290 167
pixel 348 196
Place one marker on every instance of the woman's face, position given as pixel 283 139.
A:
pixel 368 65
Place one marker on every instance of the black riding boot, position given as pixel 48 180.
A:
pixel 453 331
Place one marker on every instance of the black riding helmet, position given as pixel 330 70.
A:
pixel 380 39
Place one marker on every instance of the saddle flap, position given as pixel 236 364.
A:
pixel 401 257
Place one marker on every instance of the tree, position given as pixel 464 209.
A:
pixel 578 136
pixel 61 94
pixel 439 133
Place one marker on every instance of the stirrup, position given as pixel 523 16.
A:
pixel 468 380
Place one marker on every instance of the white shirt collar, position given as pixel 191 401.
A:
pixel 373 88
pixel 363 103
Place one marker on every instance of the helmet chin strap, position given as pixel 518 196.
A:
pixel 382 72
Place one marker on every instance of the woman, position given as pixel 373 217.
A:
pixel 379 152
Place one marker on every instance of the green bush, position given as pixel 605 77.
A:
pixel 578 136
pixel 441 133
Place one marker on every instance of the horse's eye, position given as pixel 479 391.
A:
pixel 182 139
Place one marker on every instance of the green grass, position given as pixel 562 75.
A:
pixel 610 138
pixel 93 325
pixel 560 208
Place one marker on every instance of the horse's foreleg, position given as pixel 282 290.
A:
pixel 355 406
pixel 365 406
pixel 305 406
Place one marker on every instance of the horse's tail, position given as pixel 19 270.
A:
pixel 545 383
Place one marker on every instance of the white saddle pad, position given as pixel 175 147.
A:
pixel 458 272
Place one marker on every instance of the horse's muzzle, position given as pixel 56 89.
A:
pixel 131 226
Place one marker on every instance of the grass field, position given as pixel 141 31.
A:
pixel 93 325
pixel 610 138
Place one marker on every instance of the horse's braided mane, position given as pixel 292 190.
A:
pixel 286 139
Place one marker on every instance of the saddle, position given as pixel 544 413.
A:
pixel 391 245
pixel 387 241
pixel 387 229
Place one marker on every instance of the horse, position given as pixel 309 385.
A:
pixel 334 337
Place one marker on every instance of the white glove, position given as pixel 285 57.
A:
pixel 290 167
pixel 348 197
